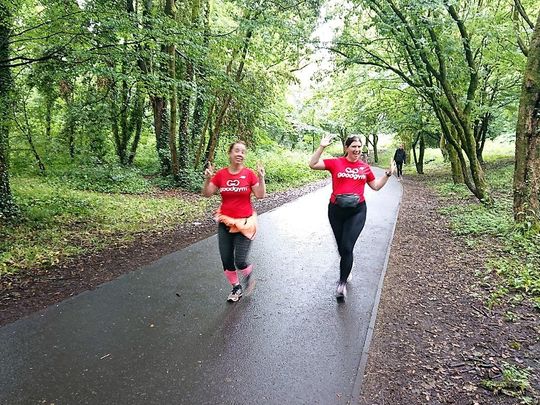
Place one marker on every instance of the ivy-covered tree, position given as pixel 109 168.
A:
pixel 527 167
pixel 7 206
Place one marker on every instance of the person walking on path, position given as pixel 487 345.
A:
pixel 399 158
pixel 237 220
pixel 347 208
pixel 365 153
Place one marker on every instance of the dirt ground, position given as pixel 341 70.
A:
pixel 434 340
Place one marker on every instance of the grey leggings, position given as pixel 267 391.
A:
pixel 233 248
pixel 346 223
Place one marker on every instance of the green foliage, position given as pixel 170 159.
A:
pixel 476 219
pixel 517 267
pixel 286 169
pixel 191 179
pixel 452 190
pixel 58 221
pixel 514 381
pixel 104 178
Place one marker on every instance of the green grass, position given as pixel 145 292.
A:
pixel 59 221
pixel 516 264
pixel 288 169
pixel 514 382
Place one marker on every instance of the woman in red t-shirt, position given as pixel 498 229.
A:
pixel 347 208
pixel 237 220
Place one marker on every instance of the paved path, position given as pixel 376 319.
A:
pixel 164 334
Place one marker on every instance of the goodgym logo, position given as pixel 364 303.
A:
pixel 351 173
pixel 232 186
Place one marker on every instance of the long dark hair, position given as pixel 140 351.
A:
pixel 349 140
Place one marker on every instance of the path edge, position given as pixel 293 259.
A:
pixel 359 380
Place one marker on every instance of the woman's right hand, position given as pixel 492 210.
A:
pixel 209 171
pixel 326 140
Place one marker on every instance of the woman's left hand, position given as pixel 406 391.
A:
pixel 260 170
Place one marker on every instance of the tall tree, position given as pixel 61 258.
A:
pixel 527 166
pixel 438 49
pixel 170 10
pixel 7 206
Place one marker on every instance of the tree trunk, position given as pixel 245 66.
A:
pixel 26 129
pixel 66 91
pixel 202 139
pixel 375 148
pixel 49 103
pixel 183 130
pixel 184 143
pixel 443 148
pixel 115 126
pixel 69 129
pixel 159 106
pixel 124 118
pixel 173 107
pixel 161 130
pixel 527 166
pixel 214 136
pixel 419 161
pixel 420 167
pixel 457 173
pixel 480 188
pixel 7 206
pixel 170 10
pixel 197 121
pixel 452 147
pixel 136 126
pixel 481 126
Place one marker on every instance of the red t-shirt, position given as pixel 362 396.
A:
pixel 235 190
pixel 348 177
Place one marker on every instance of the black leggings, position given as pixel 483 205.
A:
pixel 233 248
pixel 399 166
pixel 346 223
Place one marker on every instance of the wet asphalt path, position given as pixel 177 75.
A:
pixel 164 334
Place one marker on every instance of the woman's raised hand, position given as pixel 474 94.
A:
pixel 260 170
pixel 326 140
pixel 209 171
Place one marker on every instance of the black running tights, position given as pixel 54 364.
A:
pixel 347 224
pixel 399 166
pixel 233 248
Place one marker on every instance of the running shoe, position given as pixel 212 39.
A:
pixel 341 291
pixel 235 294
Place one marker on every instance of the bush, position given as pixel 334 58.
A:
pixel 105 178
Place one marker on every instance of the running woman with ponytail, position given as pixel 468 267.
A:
pixel 237 220
pixel 347 208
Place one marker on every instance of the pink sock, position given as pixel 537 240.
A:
pixel 231 276
pixel 247 271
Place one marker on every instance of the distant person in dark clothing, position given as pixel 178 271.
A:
pixel 399 158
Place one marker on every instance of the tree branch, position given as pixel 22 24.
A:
pixel 523 13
